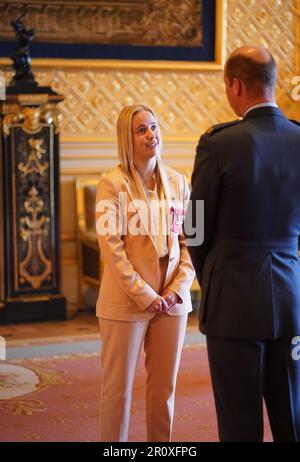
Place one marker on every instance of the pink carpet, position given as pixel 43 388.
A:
pixel 57 399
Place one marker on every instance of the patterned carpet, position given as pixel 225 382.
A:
pixel 57 399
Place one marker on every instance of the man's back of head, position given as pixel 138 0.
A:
pixel 250 76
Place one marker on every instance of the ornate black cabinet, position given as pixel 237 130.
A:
pixel 29 208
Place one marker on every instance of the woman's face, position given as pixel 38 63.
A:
pixel 146 137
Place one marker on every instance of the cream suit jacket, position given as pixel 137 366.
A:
pixel 131 277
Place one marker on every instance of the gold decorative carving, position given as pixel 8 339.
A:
pixel 33 163
pixel 31 118
pixel 33 230
pixel 15 117
pixel 130 22
pixel 27 99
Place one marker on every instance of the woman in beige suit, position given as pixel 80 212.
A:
pixel 144 296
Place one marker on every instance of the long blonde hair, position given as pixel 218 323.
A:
pixel 124 135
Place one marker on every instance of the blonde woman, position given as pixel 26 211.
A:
pixel 144 296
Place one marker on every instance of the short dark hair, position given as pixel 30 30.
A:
pixel 253 73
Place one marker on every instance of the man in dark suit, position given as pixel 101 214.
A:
pixel 248 174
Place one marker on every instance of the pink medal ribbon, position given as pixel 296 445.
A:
pixel 177 216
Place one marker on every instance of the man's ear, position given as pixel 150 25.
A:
pixel 237 86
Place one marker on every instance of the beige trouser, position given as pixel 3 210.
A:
pixel 122 341
pixel 163 338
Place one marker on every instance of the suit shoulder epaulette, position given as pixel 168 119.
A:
pixel 216 128
pixel 295 121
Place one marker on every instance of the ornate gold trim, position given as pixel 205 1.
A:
pixel 32 119
pixel 220 51
pixel 33 232
pixel 33 163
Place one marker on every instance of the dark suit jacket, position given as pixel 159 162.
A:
pixel 248 174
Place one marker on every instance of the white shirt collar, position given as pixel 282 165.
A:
pixel 256 106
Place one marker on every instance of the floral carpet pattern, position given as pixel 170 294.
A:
pixel 57 399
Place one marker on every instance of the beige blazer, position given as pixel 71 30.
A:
pixel 131 277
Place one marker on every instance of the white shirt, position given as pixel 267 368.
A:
pixel 159 221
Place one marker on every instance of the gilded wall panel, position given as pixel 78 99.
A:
pixel 186 101
pixel 131 22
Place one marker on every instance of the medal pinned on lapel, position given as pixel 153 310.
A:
pixel 177 216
